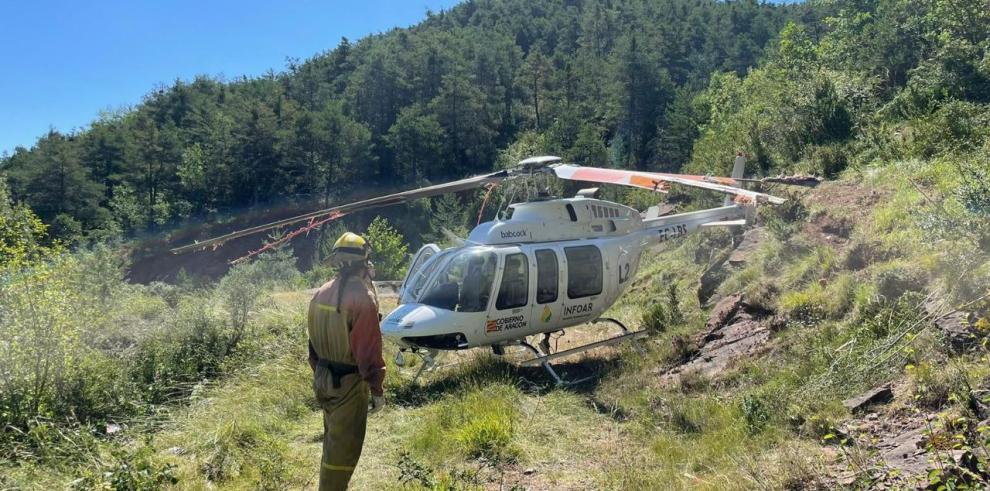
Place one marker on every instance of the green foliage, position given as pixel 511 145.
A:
pixel 389 250
pixel 664 313
pixel 965 464
pixel 45 318
pixel 438 100
pixel 756 413
pixel 476 423
pixel 785 220
pixel 82 347
pixel 126 469
pixel 23 236
pixel 245 282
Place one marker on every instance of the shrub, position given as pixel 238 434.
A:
pixel 389 252
pixel 785 220
pixel 244 283
pixel 756 413
pixel 827 160
pixel 133 469
pixel 43 325
pixel 666 312
pixel 809 305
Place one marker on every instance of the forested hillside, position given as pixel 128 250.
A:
pixel 599 82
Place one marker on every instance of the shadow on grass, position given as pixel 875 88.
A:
pixel 487 370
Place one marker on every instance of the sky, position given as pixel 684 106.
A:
pixel 62 63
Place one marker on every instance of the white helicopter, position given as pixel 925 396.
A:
pixel 548 264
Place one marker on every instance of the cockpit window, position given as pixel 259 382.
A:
pixel 464 283
pixel 418 278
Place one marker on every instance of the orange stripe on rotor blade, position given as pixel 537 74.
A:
pixel 646 182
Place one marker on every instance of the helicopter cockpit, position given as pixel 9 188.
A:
pixel 462 280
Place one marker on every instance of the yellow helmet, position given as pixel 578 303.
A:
pixel 349 248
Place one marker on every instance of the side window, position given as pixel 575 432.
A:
pixel 584 271
pixel 514 290
pixel 546 276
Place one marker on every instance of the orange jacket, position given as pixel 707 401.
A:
pixel 358 313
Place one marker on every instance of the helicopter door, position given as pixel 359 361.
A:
pixel 584 299
pixel 416 272
pixel 509 317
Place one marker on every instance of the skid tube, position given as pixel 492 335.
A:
pixel 544 358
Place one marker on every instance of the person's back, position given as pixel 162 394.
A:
pixel 345 353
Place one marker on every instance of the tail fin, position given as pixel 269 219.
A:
pixel 738 172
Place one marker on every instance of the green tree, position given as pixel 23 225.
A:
pixel 389 250
pixel 23 235
pixel 416 140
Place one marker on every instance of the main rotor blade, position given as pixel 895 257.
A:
pixel 656 181
pixel 387 200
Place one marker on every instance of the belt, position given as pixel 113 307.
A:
pixel 337 370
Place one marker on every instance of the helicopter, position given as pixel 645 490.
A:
pixel 547 264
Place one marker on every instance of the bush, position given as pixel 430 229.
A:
pixel 756 413
pixel 827 160
pixel 389 252
pixel 785 220
pixel 43 326
pixel 126 469
pixel 665 312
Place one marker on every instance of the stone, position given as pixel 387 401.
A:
pixel 958 330
pixel 878 395
pixel 751 241
pixel 724 311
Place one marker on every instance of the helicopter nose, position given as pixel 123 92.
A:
pixel 407 321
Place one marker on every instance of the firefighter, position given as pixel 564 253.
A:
pixel 345 353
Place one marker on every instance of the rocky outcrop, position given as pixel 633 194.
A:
pixel 734 330
pixel 720 269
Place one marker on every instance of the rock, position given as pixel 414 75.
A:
pixel 529 471
pixel 711 279
pixel 877 395
pixel 906 452
pixel 742 338
pixel 751 241
pixel 958 330
pixel 734 330
pixel 724 311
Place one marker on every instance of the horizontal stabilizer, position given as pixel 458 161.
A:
pixel 727 223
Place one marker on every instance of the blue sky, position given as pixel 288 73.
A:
pixel 63 62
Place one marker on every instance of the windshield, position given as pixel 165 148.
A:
pixel 417 278
pixel 464 284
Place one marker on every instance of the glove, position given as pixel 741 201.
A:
pixel 377 403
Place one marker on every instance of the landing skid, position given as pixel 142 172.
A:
pixel 543 355
pixel 430 358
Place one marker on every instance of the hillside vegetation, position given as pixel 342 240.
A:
pixel 437 100
pixel 760 342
